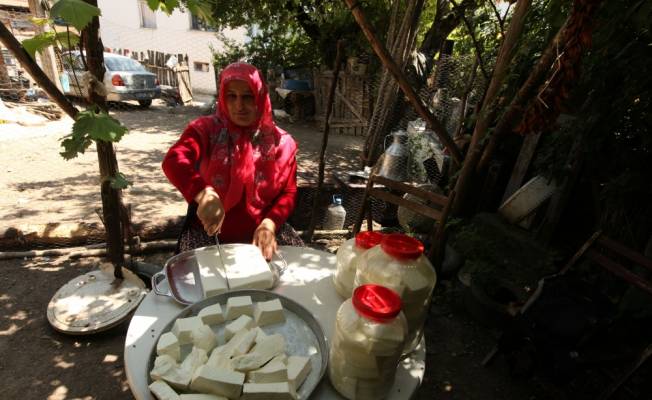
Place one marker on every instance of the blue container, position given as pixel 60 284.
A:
pixel 295 84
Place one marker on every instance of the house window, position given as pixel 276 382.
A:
pixel 147 16
pixel 201 66
pixel 198 24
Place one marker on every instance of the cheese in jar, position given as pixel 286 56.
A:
pixel 347 260
pixel 399 264
pixel 369 337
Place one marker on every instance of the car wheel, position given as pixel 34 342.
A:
pixel 145 103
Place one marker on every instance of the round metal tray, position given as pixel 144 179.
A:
pixel 303 334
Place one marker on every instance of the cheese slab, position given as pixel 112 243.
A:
pixel 163 391
pixel 194 360
pixel 212 315
pixel 256 274
pixel 201 396
pixel 169 344
pixel 268 312
pixel 273 371
pixel 183 328
pixel 166 369
pixel 204 338
pixel 212 281
pixel 268 391
pixel 264 351
pixel 237 306
pixel 219 382
pixel 243 322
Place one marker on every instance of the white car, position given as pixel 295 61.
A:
pixel 125 79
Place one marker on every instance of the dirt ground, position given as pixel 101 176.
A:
pixel 38 187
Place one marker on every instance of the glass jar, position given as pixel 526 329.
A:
pixel 369 337
pixel 347 260
pixel 399 264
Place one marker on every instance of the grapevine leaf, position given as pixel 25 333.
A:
pixel 38 43
pixel 75 12
pixel 120 181
pixel 40 21
pixel 98 126
pixel 153 4
pixel 68 39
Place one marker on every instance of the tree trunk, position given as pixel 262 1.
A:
pixel 112 207
pixel 47 55
pixel 488 111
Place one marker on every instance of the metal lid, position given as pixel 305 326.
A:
pixel 376 302
pixel 95 301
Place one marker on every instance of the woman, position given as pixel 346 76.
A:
pixel 237 169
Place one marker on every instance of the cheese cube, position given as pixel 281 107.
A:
pixel 298 370
pixel 237 306
pixel 204 338
pixel 268 391
pixel 199 396
pixel 168 344
pixel 163 391
pixel 264 351
pixel 281 357
pixel 212 315
pixel 194 360
pixel 256 274
pixel 245 335
pixel 392 332
pixel 268 312
pixel 212 281
pixel 273 371
pixel 245 344
pixel 165 368
pixel 260 334
pixel 214 381
pixel 183 328
pixel 243 322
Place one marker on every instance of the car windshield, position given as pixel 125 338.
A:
pixel 122 64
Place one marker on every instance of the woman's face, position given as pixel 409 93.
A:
pixel 241 103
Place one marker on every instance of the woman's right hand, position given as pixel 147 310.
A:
pixel 210 210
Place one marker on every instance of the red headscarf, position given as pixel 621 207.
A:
pixel 253 160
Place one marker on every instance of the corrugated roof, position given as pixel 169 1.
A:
pixel 15 3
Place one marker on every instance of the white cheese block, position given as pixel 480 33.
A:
pixel 163 391
pixel 245 344
pixel 201 396
pixel 166 369
pixel 243 322
pixel 391 332
pixel 264 351
pixel 198 396
pixel 260 334
pixel 219 360
pixel 268 391
pixel 239 336
pixel 363 365
pixel 212 281
pixel 204 338
pixel 211 315
pixel 298 369
pixel 417 286
pixel 183 328
pixel 256 273
pixel 237 306
pixel 219 382
pixel 268 312
pixel 194 360
pixel 281 357
pixel 168 344
pixel 273 371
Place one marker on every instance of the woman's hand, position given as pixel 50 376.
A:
pixel 265 238
pixel 210 210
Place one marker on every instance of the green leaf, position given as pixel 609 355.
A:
pixel 169 6
pixel 75 12
pixel 38 43
pixel 68 40
pixel 120 181
pixel 153 4
pixel 201 9
pixel 74 144
pixel 40 21
pixel 98 126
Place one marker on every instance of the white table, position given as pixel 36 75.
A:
pixel 308 280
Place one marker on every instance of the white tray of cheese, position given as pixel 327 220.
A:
pixel 242 344
pixel 200 273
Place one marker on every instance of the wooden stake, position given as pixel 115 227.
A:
pixel 324 142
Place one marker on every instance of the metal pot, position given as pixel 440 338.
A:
pixel 395 160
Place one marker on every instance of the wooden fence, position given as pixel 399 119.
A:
pixel 352 104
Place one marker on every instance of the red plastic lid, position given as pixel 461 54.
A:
pixel 376 302
pixel 401 246
pixel 368 239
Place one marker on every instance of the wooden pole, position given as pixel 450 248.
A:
pixel 487 112
pixel 324 141
pixel 389 63
pixel 14 46
pixel 112 207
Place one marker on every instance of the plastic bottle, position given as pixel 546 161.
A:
pixel 335 215
pixel 347 260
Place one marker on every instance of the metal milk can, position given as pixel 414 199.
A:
pixel 395 160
